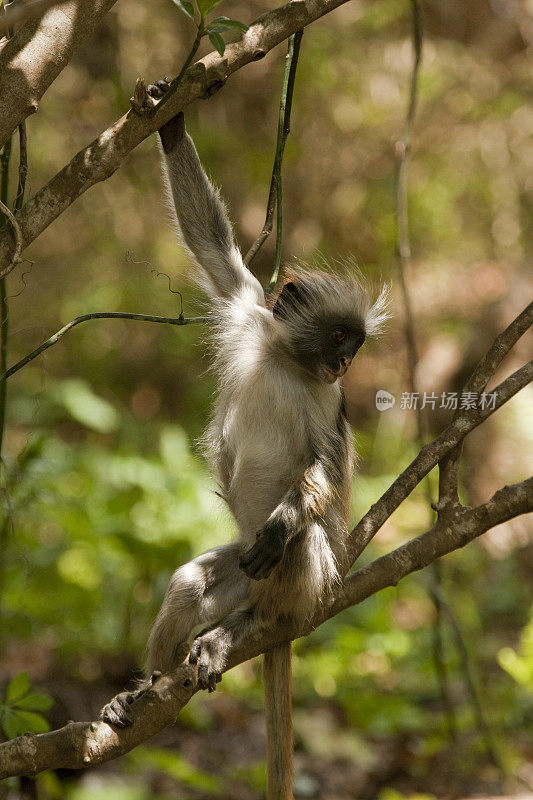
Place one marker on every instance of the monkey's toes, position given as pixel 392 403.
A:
pixel 117 711
pixel 208 674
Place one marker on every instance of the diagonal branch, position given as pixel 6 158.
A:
pixel 80 744
pixel 33 58
pixel 105 154
pixel 449 468
pixel 429 457
pixel 31 9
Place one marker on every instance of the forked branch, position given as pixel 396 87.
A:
pixel 81 744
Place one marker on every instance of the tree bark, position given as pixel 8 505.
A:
pixel 82 744
pixel 33 58
pixel 105 154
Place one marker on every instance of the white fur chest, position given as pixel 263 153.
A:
pixel 264 433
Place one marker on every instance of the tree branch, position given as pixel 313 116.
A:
pixel 33 58
pixel 428 458
pixel 449 468
pixel 105 154
pixel 17 15
pixel 80 744
pixel 95 315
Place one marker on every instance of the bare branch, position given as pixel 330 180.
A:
pixel 81 744
pixel 96 315
pixel 443 538
pixel 18 14
pixel 429 457
pixel 105 154
pixel 284 127
pixel 449 468
pixel 33 58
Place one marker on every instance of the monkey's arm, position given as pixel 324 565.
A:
pixel 305 501
pixel 202 217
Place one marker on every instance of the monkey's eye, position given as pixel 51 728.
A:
pixel 339 335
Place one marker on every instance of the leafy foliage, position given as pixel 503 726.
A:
pixel 20 709
pixel 106 493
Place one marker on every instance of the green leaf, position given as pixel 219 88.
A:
pixel 18 687
pixel 29 722
pixel 218 42
pixel 77 397
pixel 185 6
pixel 35 702
pixel 205 6
pixel 224 24
pixel 9 724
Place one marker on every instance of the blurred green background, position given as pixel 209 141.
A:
pixel 105 492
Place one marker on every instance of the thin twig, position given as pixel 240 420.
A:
pixel 284 126
pixel 105 154
pixel 96 315
pixel 489 741
pixel 428 458
pixel 15 258
pixel 404 266
pixel 4 335
pixel 449 468
pixel 177 80
pixel 23 168
pixel 4 315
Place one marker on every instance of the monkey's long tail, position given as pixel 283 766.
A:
pixel 277 682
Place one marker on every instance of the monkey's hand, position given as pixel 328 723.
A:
pixel 118 711
pixel 260 559
pixel 173 131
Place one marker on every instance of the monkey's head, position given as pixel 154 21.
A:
pixel 327 318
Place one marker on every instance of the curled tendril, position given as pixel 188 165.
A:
pixel 22 277
pixel 131 260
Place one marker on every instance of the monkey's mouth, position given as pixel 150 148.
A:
pixel 330 375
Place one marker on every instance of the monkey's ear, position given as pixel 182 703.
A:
pixel 289 297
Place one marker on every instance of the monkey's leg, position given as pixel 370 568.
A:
pixel 200 593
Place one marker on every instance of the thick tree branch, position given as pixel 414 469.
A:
pixel 18 14
pixel 81 744
pixel 105 154
pixel 33 58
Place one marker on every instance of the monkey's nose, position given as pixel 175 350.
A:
pixel 345 361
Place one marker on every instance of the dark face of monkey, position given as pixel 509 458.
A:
pixel 325 319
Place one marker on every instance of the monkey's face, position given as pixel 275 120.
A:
pixel 322 338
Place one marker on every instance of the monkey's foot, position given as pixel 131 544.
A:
pixel 117 712
pixel 208 651
pixel 260 559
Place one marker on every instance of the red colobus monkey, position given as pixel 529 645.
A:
pixel 279 443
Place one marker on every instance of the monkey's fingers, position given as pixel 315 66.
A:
pixel 159 88
pixel 259 561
